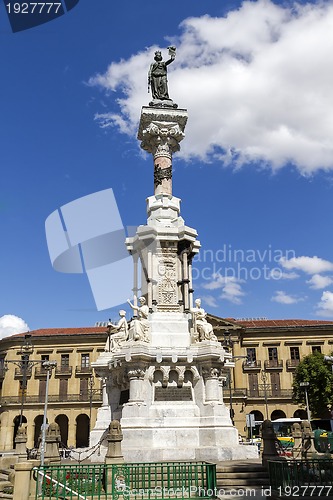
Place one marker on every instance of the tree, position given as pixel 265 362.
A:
pixel 318 373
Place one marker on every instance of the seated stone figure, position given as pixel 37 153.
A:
pixel 120 335
pixel 203 329
pixel 139 328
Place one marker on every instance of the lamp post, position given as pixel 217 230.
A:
pixel 48 365
pixel 306 385
pixel 24 364
pixel 228 343
pixel 264 381
pixel 92 391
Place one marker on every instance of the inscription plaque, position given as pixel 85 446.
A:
pixel 173 394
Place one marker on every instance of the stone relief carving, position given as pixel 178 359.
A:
pixel 211 372
pixel 162 173
pixel 202 330
pixel 136 373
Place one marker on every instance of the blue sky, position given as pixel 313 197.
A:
pixel 254 172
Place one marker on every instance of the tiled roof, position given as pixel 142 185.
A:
pixel 63 331
pixel 282 323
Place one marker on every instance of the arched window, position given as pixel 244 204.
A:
pixel 82 431
pixel 16 422
pixel 38 425
pixel 278 414
pixel 62 421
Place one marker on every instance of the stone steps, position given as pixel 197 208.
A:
pixel 240 475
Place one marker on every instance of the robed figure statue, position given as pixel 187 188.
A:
pixel 157 76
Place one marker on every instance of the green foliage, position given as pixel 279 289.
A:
pixel 318 373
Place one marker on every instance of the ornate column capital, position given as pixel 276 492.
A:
pixel 161 130
pixel 136 373
pixel 211 372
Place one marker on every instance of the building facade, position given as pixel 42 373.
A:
pixel 266 354
pixel 74 393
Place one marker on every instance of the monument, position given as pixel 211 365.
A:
pixel 163 371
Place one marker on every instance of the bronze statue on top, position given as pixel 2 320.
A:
pixel 158 81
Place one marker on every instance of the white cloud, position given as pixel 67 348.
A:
pixel 209 300
pixel 325 306
pixel 310 265
pixel 278 274
pixel 254 82
pixel 318 281
pixel 10 324
pixel 230 285
pixel 283 298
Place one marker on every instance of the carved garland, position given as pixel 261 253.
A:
pixel 162 173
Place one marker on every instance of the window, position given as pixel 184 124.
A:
pixel 251 354
pixel 84 388
pixel 63 389
pixel 272 354
pixel 253 385
pixel 45 357
pixel 294 353
pixel 85 361
pixel 65 360
pixel 42 390
pixel 275 384
pixel 316 348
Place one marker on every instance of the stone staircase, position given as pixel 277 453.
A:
pixel 6 484
pixel 241 475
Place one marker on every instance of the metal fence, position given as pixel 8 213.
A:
pixel 156 481
pixel 302 478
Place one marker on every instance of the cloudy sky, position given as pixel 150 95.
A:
pixel 254 172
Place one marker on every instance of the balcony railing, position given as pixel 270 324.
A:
pixel 270 392
pixel 258 392
pixel 63 371
pixel 273 364
pixel 96 396
pixel 82 370
pixel 252 366
pixel 19 372
pixel 236 393
pixel 40 372
pixel 292 364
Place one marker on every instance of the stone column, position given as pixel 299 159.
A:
pixel 185 282
pixel 25 486
pixel 212 383
pixel 161 131
pixel 135 281
pixel 149 280
pixel 136 391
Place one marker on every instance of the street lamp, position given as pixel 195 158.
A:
pixel 24 364
pixel 92 392
pixel 228 343
pixel 264 381
pixel 48 366
pixel 306 385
